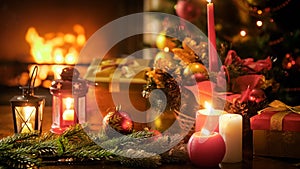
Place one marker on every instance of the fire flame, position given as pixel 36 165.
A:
pixel 54 50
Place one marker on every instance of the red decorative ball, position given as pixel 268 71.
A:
pixel 257 95
pixel 206 150
pixel 188 10
pixel 195 72
pixel 156 134
pixel 118 120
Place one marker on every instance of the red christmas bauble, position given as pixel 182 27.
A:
pixel 206 150
pixel 188 10
pixel 156 134
pixel 195 72
pixel 257 95
pixel 118 120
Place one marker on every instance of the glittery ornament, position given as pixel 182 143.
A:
pixel 188 10
pixel 119 120
pixel 257 95
pixel 164 60
pixel 165 43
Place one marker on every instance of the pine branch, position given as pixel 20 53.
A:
pixel 92 152
pixel 20 158
pixel 135 137
pixel 134 150
pixel 10 141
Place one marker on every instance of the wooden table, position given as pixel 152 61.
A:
pixel 6 129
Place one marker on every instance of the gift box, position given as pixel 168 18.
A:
pixel 120 82
pixel 276 134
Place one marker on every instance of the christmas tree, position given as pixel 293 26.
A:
pixel 254 29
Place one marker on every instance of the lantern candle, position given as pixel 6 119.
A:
pixel 212 52
pixel 230 127
pixel 69 99
pixel 28 112
pixel 68 114
pixel 208 118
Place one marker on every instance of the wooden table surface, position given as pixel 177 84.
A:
pixel 258 162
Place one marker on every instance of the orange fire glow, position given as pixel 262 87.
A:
pixel 56 49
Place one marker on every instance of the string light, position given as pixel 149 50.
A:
pixel 277 41
pixel 243 33
pixel 255 11
pixel 259 12
pixel 259 23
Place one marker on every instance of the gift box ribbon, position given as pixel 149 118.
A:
pixel 278 106
pixel 278 116
pixel 276 122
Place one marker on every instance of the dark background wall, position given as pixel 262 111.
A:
pixel 16 16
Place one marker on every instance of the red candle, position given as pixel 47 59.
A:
pixel 212 52
pixel 206 150
pixel 208 118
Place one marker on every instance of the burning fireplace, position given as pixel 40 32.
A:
pixel 51 33
pixel 53 51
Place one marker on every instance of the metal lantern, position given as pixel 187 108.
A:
pixel 68 101
pixel 28 109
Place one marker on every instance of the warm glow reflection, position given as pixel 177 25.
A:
pixel 54 50
pixel 56 69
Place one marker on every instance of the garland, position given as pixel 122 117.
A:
pixel 74 146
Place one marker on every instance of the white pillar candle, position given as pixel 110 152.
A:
pixel 230 128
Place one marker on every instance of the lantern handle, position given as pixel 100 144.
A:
pixel 35 70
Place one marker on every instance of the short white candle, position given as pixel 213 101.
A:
pixel 68 115
pixel 230 128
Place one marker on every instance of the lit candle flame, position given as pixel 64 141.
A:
pixel 69 103
pixel 207 105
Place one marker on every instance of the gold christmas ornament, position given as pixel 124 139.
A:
pixel 165 43
pixel 194 68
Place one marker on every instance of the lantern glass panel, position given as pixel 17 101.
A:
pixel 25 118
pixel 40 112
pixel 56 112
pixel 81 110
